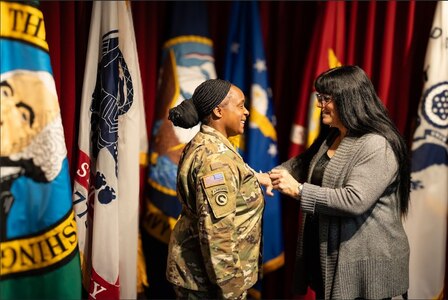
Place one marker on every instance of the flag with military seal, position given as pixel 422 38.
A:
pixel 187 61
pixel 112 139
pixel 426 223
pixel 38 236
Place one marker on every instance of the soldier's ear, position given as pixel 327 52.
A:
pixel 217 111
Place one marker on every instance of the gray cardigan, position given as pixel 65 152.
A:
pixel 364 250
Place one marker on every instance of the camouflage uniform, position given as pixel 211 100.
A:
pixel 215 245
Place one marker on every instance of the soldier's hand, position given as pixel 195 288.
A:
pixel 284 182
pixel 265 180
pixel 269 189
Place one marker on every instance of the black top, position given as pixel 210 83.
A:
pixel 318 172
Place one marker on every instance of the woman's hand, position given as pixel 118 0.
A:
pixel 284 182
pixel 265 180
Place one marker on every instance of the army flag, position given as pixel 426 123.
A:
pixel 112 135
pixel 246 68
pixel 326 51
pixel 39 253
pixel 426 223
pixel 187 61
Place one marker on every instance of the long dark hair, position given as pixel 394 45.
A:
pixel 361 111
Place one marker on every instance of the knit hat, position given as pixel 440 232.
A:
pixel 206 97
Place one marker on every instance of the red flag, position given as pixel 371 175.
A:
pixel 326 51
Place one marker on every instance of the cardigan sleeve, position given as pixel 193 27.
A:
pixel 374 170
pixel 297 167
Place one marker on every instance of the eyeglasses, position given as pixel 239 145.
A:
pixel 323 99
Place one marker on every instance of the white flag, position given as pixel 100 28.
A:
pixel 112 132
pixel 426 224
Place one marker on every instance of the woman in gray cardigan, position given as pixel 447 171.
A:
pixel 356 190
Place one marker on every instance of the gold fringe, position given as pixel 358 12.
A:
pixel 274 263
pixel 142 279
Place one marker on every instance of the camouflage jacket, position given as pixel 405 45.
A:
pixel 216 241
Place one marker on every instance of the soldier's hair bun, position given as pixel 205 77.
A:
pixel 206 97
pixel 184 115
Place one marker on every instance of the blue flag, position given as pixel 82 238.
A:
pixel 187 61
pixel 246 68
pixel 39 256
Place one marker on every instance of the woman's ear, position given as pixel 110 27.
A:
pixel 217 111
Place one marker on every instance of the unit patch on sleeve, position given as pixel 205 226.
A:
pixel 221 200
pixel 219 189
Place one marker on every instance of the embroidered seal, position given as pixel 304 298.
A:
pixel 221 199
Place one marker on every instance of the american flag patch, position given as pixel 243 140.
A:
pixel 215 179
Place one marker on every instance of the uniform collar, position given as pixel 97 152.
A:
pixel 212 131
